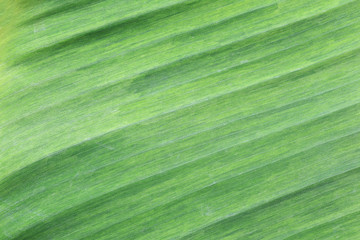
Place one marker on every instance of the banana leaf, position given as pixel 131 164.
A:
pixel 179 119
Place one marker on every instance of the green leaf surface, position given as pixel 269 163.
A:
pixel 180 119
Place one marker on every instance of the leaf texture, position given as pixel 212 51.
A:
pixel 180 119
